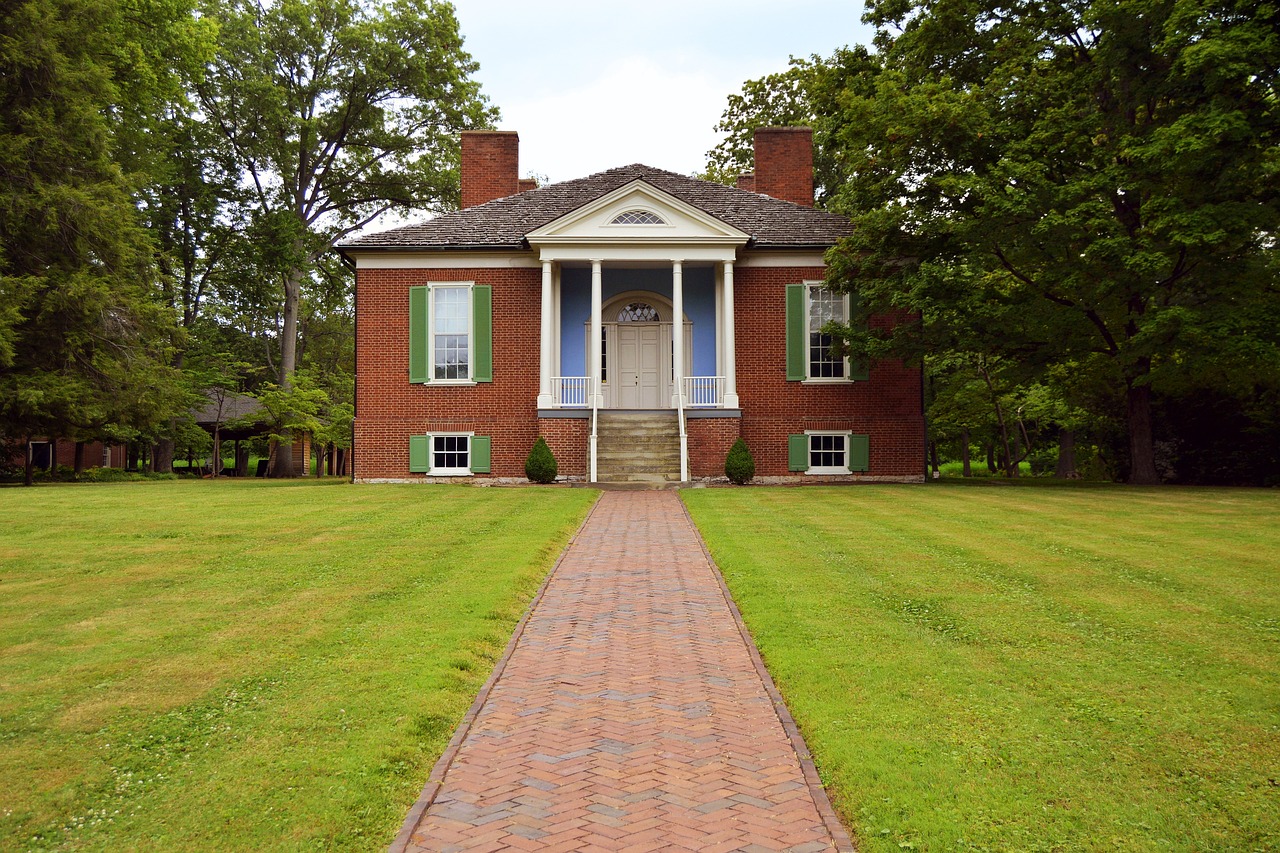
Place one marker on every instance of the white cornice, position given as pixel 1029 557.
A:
pixel 382 260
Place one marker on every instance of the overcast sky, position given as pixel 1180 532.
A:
pixel 593 85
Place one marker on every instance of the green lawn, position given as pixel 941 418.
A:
pixel 989 667
pixel 248 665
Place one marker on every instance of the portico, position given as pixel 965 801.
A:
pixel 637 305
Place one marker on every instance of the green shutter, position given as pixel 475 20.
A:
pixel 419 454
pixel 480 452
pixel 797 453
pixel 419 328
pixel 797 333
pixel 482 326
pixel 857 369
pixel 859 453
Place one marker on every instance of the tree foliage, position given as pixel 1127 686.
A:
pixel 334 112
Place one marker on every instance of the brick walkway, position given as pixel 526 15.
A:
pixel 630 715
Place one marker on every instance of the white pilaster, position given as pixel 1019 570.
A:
pixel 730 354
pixel 545 400
pixel 677 331
pixel 593 354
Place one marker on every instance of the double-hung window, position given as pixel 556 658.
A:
pixel 810 307
pixel 828 452
pixel 451 454
pixel 450 333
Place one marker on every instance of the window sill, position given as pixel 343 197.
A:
pixel 833 380
pixel 431 382
pixel 828 471
pixel 449 472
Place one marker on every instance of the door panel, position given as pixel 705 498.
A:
pixel 639 366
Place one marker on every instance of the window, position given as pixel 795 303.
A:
pixel 824 307
pixel 810 306
pixel 637 217
pixel 451 333
pixel 453 454
pixel 638 312
pixel 450 454
pixel 834 452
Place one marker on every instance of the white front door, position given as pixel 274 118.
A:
pixel 639 370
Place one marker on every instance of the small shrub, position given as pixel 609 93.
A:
pixel 739 465
pixel 541 466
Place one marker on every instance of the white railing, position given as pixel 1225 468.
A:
pixel 571 392
pixel 704 392
pixel 684 440
pixel 595 422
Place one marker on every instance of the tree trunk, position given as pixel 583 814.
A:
pixel 991 458
pixel 964 452
pixel 933 458
pixel 162 456
pixel 1142 452
pixel 79 459
pixel 342 462
pixel 1066 455
pixel 282 464
pixel 215 461
pixel 28 467
pixel 1014 459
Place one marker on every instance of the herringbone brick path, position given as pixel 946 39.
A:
pixel 629 716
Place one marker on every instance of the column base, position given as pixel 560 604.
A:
pixel 730 401
pixel 546 401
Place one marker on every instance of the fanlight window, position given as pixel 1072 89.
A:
pixel 637 217
pixel 638 312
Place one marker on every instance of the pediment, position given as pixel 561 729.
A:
pixel 637 214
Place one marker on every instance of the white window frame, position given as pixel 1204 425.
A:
pixel 809 287
pixel 433 471
pixel 829 469
pixel 469 286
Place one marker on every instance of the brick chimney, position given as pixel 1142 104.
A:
pixel 490 165
pixel 746 181
pixel 784 163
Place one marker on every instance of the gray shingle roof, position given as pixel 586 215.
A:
pixel 504 222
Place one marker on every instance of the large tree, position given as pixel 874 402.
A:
pixel 334 112
pixel 83 345
pixel 1109 171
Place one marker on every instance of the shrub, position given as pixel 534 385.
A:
pixel 739 465
pixel 541 467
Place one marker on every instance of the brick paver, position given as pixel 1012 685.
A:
pixel 630 714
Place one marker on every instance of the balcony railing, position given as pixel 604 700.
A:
pixel 704 392
pixel 571 392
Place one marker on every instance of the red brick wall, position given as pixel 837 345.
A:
pixel 709 443
pixel 389 409
pixel 784 163
pixel 490 165
pixel 887 407
pixel 568 439
pixel 746 181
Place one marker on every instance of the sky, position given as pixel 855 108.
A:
pixel 594 85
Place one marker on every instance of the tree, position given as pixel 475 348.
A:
pixel 84 350
pixel 334 112
pixel 1108 170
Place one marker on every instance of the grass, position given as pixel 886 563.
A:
pixel 983 667
pixel 246 665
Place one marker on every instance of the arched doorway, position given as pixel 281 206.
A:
pixel 636 368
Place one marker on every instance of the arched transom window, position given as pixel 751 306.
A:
pixel 638 312
pixel 637 217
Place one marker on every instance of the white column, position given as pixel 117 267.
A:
pixel 545 369
pixel 677 330
pixel 593 354
pixel 730 356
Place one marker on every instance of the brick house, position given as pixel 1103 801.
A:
pixel 638 319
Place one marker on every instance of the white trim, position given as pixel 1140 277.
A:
pixel 433 471
pixel 781 259
pixel 432 287
pixel 809 285
pixel 830 469
pixel 625 197
pixel 637 250
pixel 427 260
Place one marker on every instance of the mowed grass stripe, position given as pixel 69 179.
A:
pixel 979 667
pixel 248 665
